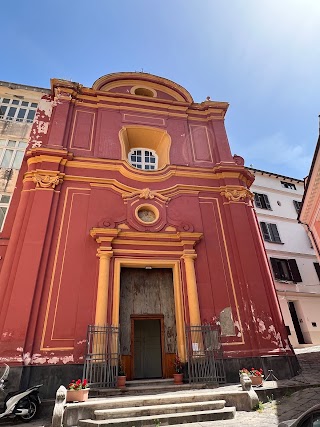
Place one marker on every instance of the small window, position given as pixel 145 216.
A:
pixel 285 269
pixel 11 153
pixel 17 111
pixel 261 201
pixel 297 205
pixel 270 232
pixel 317 267
pixel 289 185
pixel 141 158
pixel 4 205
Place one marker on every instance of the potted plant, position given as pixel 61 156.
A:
pixel 178 369
pixel 122 377
pixel 256 375
pixel 78 391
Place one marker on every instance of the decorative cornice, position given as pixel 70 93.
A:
pixel 237 195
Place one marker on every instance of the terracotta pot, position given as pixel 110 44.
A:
pixel 256 380
pixel 177 379
pixel 77 395
pixel 121 381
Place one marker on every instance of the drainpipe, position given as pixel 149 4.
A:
pixel 312 235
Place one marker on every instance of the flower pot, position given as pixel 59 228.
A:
pixel 121 381
pixel 177 379
pixel 77 395
pixel 256 380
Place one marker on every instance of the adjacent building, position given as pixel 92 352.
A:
pixel 18 105
pixel 291 256
pixel 133 220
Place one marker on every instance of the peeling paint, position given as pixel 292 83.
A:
pixel 261 325
pixel 67 359
pixel 81 342
pixel 41 124
pixel 53 360
pixel 20 349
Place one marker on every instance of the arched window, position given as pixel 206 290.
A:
pixel 142 158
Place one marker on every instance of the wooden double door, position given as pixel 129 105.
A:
pixel 147 322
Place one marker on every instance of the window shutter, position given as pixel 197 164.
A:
pixel 275 233
pixel 274 265
pixel 297 205
pixel 295 274
pixel 257 200
pixel 317 267
pixel 265 231
pixel 266 201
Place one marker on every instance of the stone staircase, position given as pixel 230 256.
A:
pixel 140 387
pixel 167 408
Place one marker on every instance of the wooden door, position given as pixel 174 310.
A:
pixel 147 348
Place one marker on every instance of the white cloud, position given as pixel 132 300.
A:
pixel 274 153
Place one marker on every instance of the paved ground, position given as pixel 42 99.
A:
pixel 271 413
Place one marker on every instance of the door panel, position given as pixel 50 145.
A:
pixel 147 348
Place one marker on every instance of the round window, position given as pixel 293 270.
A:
pixel 147 214
pixel 143 91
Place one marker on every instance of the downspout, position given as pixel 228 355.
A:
pixel 312 235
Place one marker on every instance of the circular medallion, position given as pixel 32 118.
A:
pixel 147 214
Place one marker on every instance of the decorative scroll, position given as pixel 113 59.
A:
pixel 237 195
pixel 146 193
pixel 46 181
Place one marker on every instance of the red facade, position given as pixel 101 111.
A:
pixel 77 218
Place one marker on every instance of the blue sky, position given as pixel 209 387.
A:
pixel 261 56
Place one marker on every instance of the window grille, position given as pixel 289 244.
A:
pixel 17 110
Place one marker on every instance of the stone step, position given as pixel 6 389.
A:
pixel 151 400
pixel 148 383
pixel 156 410
pixel 164 419
pixel 150 388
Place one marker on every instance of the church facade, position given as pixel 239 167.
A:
pixel 130 212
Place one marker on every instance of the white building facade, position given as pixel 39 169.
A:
pixel 292 260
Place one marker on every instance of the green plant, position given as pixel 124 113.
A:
pixel 157 423
pixel 121 371
pixel 259 407
pixel 178 366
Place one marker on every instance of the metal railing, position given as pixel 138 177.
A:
pixel 102 355
pixel 204 354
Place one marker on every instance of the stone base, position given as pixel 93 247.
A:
pixel 52 376
pixel 284 367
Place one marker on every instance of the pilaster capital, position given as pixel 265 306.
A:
pixel 189 256
pixel 104 254
pixel 236 194
pixel 44 178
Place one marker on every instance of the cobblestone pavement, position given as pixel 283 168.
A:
pixel 271 413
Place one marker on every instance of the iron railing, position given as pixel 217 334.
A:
pixel 204 354
pixel 101 360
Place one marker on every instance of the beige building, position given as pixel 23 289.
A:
pixel 18 106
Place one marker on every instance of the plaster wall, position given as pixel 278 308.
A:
pixel 295 245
